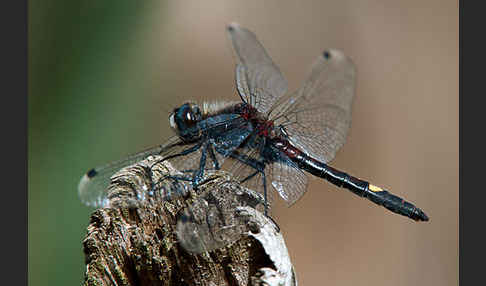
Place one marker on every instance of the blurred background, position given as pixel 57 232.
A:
pixel 103 76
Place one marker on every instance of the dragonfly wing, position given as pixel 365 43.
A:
pixel 245 171
pixel 204 226
pixel 288 180
pixel 317 116
pixel 212 221
pixel 93 185
pixel 259 81
pixel 283 176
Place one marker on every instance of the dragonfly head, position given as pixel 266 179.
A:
pixel 184 119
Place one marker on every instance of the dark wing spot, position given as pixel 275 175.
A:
pixel 91 173
pixel 326 55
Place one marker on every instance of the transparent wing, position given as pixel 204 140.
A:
pixel 93 185
pixel 212 221
pixel 318 115
pixel 259 81
pixel 244 171
pixel 288 180
pixel 283 176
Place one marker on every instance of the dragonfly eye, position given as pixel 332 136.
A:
pixel 184 119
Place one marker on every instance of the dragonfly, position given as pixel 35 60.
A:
pixel 270 138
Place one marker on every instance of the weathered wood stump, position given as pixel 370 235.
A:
pixel 134 241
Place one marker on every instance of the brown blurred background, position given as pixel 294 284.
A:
pixel 103 76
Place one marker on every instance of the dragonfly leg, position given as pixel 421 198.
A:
pixel 175 187
pixel 213 158
pixel 202 164
pixel 255 164
pixel 265 192
pixel 259 167
pixel 182 153
pixel 250 176
pixel 174 178
pixel 188 171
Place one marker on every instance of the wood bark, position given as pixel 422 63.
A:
pixel 133 240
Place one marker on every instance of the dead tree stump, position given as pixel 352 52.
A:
pixel 133 240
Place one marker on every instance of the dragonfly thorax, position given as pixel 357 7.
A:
pixel 260 123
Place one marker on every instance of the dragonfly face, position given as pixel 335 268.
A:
pixel 184 121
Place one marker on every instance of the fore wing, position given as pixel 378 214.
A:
pixel 93 185
pixel 258 80
pixel 189 160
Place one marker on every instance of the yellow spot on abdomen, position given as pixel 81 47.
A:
pixel 374 188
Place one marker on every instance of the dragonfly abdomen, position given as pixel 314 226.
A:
pixel 396 205
pixel 360 187
pixel 363 189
